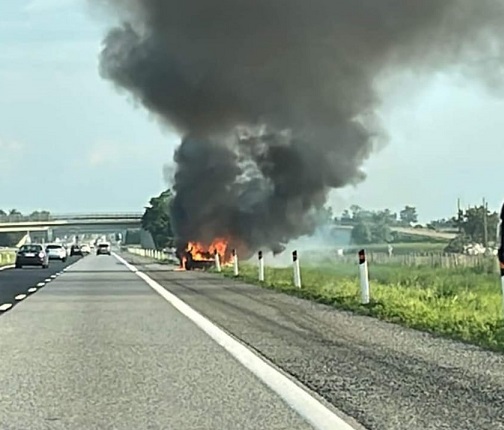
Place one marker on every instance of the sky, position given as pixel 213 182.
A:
pixel 70 142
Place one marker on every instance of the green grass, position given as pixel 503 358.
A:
pixel 464 304
pixel 6 258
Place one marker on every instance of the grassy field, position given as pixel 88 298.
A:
pixel 465 304
pixel 6 258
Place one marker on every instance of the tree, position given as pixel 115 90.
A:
pixel 386 217
pixel 15 216
pixel 156 219
pixel 408 215
pixel 361 234
pixel 473 224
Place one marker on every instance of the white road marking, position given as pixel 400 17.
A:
pixel 32 290
pixel 40 284
pixel 5 307
pixel 48 280
pixel 54 276
pixel 10 266
pixel 313 411
pixel 20 297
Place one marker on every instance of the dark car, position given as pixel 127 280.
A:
pixel 103 248
pixel 32 255
pixel 75 250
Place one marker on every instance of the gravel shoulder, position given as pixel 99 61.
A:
pixel 385 376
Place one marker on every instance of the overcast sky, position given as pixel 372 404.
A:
pixel 69 142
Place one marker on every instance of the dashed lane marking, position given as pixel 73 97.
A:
pixel 20 297
pixel 40 284
pixel 5 307
pixel 32 290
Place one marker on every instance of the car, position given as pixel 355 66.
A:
pixel 75 250
pixel 55 251
pixel 32 254
pixel 103 248
pixel 85 249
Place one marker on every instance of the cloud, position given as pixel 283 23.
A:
pixel 41 6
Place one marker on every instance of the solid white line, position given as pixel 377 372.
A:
pixel 314 412
pixel 32 290
pixel 20 297
pixel 40 284
pixel 10 266
pixel 5 307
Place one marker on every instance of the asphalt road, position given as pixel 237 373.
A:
pixel 97 348
pixel 385 376
pixel 16 282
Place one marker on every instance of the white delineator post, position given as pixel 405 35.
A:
pixel 261 266
pixel 364 277
pixel 235 263
pixel 217 262
pixel 297 269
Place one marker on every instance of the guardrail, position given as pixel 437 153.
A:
pixel 167 256
pixel 7 257
pixel 119 215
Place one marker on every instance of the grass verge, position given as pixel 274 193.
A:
pixel 464 304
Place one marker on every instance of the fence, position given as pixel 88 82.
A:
pixel 445 261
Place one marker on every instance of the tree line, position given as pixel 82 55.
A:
pixel 14 215
pixel 474 225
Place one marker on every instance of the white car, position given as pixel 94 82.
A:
pixel 56 251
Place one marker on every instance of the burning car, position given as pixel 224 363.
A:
pixel 196 256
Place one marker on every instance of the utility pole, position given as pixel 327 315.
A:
pixel 459 218
pixel 485 223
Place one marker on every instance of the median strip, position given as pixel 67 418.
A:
pixel 5 307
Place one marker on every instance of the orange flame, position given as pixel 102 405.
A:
pixel 201 252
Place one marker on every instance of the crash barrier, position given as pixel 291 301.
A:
pixel 7 258
pixel 168 256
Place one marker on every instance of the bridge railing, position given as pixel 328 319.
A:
pixel 97 216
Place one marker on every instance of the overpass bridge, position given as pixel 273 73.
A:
pixel 64 224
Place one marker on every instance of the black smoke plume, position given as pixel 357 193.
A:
pixel 275 100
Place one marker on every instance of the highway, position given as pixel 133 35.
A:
pixel 24 282
pixel 385 376
pixel 123 342
pixel 98 348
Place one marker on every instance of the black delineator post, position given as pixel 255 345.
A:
pixel 364 277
